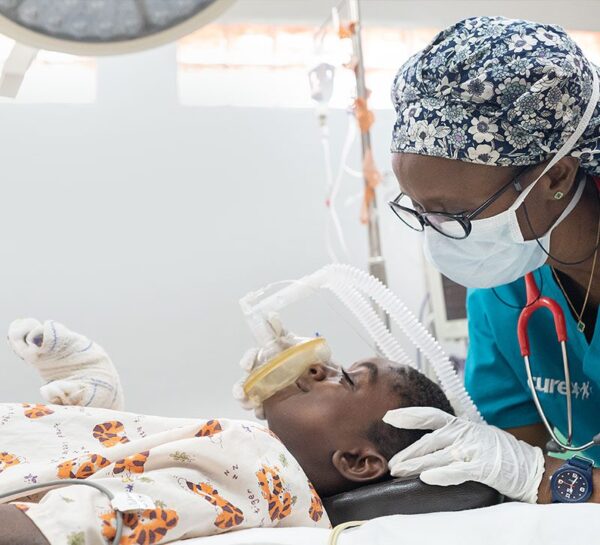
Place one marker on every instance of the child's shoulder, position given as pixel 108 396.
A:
pixel 248 427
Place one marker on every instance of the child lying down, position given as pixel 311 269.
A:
pixel 201 476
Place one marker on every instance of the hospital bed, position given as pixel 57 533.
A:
pixel 507 523
pixel 371 502
pixel 410 512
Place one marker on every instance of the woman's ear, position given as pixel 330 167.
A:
pixel 362 464
pixel 553 192
pixel 560 179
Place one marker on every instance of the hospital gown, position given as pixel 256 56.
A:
pixel 203 477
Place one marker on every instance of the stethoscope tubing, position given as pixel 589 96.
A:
pixel 538 405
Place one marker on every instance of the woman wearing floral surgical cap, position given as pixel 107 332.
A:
pixel 496 148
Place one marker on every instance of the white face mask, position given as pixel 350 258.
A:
pixel 495 251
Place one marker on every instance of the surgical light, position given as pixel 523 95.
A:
pixel 104 27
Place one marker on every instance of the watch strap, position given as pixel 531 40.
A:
pixel 581 463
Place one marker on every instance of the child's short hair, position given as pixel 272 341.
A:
pixel 414 389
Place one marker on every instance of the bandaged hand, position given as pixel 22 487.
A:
pixel 76 370
pixel 458 450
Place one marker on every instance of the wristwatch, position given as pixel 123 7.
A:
pixel 572 482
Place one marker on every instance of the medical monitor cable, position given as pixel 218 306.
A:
pixel 334 185
pixel 63 482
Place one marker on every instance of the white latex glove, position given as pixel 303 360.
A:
pixel 459 450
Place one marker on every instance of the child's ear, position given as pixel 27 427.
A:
pixel 362 464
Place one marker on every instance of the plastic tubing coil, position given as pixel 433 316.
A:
pixel 356 289
pixel 344 281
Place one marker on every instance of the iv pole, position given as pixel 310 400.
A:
pixel 364 118
pixel 376 261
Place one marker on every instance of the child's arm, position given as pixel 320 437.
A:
pixel 18 528
pixel 77 371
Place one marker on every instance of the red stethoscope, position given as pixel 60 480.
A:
pixel 536 301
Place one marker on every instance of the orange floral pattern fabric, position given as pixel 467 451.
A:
pixel 196 477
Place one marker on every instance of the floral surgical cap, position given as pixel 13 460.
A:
pixel 496 91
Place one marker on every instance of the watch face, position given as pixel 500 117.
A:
pixel 570 485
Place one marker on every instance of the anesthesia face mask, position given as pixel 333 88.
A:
pixel 277 365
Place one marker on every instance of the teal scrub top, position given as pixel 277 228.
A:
pixel 495 373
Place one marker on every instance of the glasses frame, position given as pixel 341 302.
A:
pixel 463 218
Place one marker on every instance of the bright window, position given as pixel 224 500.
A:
pixel 54 77
pixel 589 43
pixel 266 65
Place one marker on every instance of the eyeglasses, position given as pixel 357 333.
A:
pixel 456 226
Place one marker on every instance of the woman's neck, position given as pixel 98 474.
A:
pixel 576 238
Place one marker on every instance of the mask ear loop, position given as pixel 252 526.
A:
pixel 517 307
pixel 519 188
pixel 589 256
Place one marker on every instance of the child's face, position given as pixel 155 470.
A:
pixel 327 395
pixel 329 410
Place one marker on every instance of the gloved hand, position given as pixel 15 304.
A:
pixel 459 450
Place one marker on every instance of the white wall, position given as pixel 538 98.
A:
pixel 571 14
pixel 140 223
